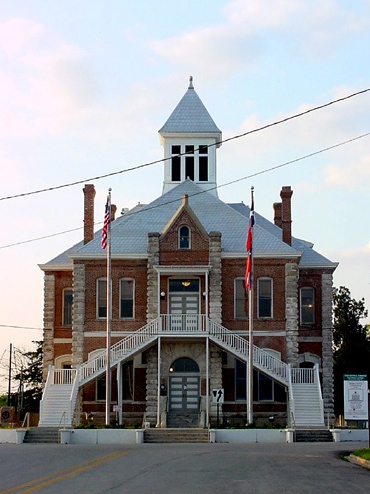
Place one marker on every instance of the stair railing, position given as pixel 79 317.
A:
pixel 26 420
pixel 46 392
pixel 239 346
pixel 317 381
pixel 120 349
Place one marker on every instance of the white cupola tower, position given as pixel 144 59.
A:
pixel 190 139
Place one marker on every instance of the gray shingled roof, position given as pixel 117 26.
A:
pixel 310 258
pixel 129 232
pixel 190 116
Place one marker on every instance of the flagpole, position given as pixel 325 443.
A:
pixel 109 314
pixel 250 313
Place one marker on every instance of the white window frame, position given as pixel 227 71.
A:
pixel 182 159
pixel 69 289
pixel 237 282
pixel 259 280
pixel 99 298
pixel 301 306
pixel 179 237
pixel 130 318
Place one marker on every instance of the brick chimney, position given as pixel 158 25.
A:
pixel 89 196
pixel 277 214
pixel 113 209
pixel 286 214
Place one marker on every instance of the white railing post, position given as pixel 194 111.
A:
pixel 290 396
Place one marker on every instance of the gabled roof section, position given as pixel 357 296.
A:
pixel 185 208
pixel 190 116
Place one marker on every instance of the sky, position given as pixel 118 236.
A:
pixel 86 85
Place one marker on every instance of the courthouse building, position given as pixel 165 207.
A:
pixel 179 325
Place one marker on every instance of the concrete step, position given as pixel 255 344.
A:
pixel 313 436
pixel 176 436
pixel 42 435
pixel 182 421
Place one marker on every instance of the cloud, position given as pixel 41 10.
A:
pixel 45 82
pixel 313 29
pixel 16 36
pixel 349 173
pixel 223 50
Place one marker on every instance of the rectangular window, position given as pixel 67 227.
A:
pixel 307 305
pixel 127 286
pixel 101 299
pixel 240 299
pixel 264 286
pixel 189 149
pixel 189 167
pixel 203 168
pixel 128 381
pixel 265 388
pixel 67 307
pixel 176 169
pixel 100 390
pixel 240 380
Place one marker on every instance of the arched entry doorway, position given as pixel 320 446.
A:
pixel 184 386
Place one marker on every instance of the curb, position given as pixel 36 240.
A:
pixel 359 461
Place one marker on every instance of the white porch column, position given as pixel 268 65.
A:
pixel 207 380
pixel 119 391
pixel 159 384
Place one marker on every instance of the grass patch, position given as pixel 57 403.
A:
pixel 363 453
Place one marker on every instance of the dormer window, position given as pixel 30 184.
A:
pixel 184 237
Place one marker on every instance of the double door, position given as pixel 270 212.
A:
pixel 184 393
pixel 184 311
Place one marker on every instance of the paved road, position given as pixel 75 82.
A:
pixel 181 469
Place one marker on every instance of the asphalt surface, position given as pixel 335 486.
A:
pixel 181 468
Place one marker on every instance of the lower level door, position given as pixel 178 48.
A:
pixel 184 393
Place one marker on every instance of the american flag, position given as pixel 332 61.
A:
pixel 104 233
pixel 248 246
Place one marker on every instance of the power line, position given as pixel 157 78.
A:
pixel 261 172
pixel 137 167
pixel 18 327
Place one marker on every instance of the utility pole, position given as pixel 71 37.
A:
pixel 10 373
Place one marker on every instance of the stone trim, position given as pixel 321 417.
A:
pixel 152 280
pixel 327 344
pixel 49 318
pixel 291 313
pixel 78 324
pixel 215 278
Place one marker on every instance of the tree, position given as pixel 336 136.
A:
pixel 29 375
pixel 351 341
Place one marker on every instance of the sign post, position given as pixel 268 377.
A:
pixel 356 397
pixel 218 398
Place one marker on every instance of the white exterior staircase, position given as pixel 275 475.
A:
pixel 57 407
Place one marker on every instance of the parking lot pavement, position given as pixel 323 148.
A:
pixel 181 468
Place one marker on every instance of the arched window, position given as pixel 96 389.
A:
pixel 184 364
pixel 184 237
pixel 307 305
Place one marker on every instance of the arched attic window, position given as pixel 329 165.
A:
pixel 184 237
